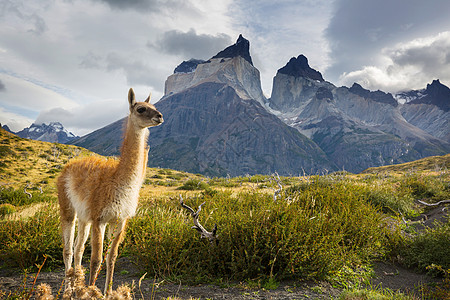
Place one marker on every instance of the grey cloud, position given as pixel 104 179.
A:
pixel 429 56
pixel 133 4
pixel 190 44
pixel 85 119
pixel 55 114
pixel 136 71
pixel 154 6
pixel 359 29
pixel 2 86
pixel 39 24
pixel 412 65
pixel 16 8
pixel 91 61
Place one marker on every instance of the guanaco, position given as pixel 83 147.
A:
pixel 96 191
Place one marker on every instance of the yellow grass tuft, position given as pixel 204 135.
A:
pixel 44 292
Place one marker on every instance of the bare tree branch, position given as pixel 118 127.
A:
pixel 26 192
pixel 211 236
pixel 433 204
pixel 280 187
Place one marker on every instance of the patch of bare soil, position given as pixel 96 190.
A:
pixel 398 278
pixel 127 272
pixel 387 276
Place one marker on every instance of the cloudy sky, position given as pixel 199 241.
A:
pixel 73 61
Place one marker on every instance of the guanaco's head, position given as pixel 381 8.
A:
pixel 144 114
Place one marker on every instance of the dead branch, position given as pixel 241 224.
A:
pixel 434 204
pixel 211 236
pixel 26 192
pixel 280 187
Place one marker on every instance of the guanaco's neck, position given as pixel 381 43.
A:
pixel 133 158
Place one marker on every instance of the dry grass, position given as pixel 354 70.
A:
pixel 430 165
pixel 76 289
pixel 36 163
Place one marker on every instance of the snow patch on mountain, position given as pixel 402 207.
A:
pixel 53 132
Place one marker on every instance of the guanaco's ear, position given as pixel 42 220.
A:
pixel 148 98
pixel 131 97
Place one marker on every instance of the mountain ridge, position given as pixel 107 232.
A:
pixel 53 132
pixel 216 133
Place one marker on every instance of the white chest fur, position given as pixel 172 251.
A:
pixel 125 201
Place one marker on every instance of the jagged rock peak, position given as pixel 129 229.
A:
pixel 299 67
pixel 188 66
pixel 240 48
pixel 378 96
pixel 439 95
pixel 53 132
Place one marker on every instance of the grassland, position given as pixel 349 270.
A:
pixel 270 229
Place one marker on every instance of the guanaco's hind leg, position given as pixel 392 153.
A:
pixel 117 232
pixel 68 234
pixel 97 235
pixel 82 236
pixel 68 217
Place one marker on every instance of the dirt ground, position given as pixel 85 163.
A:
pixel 387 276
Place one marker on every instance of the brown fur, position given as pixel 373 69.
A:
pixel 99 191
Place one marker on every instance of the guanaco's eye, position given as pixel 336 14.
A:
pixel 141 110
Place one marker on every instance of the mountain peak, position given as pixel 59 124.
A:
pixel 240 48
pixel 436 88
pixel 378 96
pixel 53 132
pixel 437 94
pixel 299 67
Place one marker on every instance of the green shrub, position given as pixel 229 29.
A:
pixel 193 184
pixel 374 294
pixel 6 209
pixel 6 151
pixel 225 182
pixel 176 176
pixel 429 247
pixel 389 198
pixel 309 234
pixel 427 187
pixel 23 243
pixel 157 176
pixel 165 171
pixel 19 198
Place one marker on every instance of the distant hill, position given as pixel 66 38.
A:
pixel 431 164
pixel 36 162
